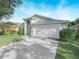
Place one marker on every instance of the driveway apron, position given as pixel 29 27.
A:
pixel 32 48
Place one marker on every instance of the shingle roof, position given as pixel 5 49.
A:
pixel 47 19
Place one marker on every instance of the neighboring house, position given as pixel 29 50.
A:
pixel 16 27
pixel 44 27
pixel 10 26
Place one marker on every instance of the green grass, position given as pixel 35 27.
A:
pixel 11 38
pixel 68 50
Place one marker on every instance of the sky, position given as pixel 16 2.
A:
pixel 58 9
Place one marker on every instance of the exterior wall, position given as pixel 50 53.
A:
pixel 29 28
pixel 33 20
pixel 63 26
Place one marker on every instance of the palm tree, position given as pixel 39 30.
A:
pixel 7 7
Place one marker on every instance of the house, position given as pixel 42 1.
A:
pixel 43 27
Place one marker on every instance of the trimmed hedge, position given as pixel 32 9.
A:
pixel 21 31
pixel 67 34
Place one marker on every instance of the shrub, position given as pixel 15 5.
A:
pixel 67 34
pixel 21 31
pixel 1 30
pixel 16 39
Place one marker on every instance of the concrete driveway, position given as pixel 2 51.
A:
pixel 32 48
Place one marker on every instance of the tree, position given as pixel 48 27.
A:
pixel 77 21
pixel 74 22
pixel 7 27
pixel 7 7
pixel 71 23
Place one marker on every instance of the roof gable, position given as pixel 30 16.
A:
pixel 42 19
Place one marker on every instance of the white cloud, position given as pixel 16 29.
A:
pixel 61 12
pixel 66 12
pixel 16 19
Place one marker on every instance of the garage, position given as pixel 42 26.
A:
pixel 45 30
pixel 43 27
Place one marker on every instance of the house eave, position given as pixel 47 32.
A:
pixel 53 21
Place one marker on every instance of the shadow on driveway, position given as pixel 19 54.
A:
pixel 23 51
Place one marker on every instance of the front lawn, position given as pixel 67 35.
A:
pixel 6 39
pixel 68 50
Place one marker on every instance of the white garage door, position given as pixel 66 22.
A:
pixel 45 31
